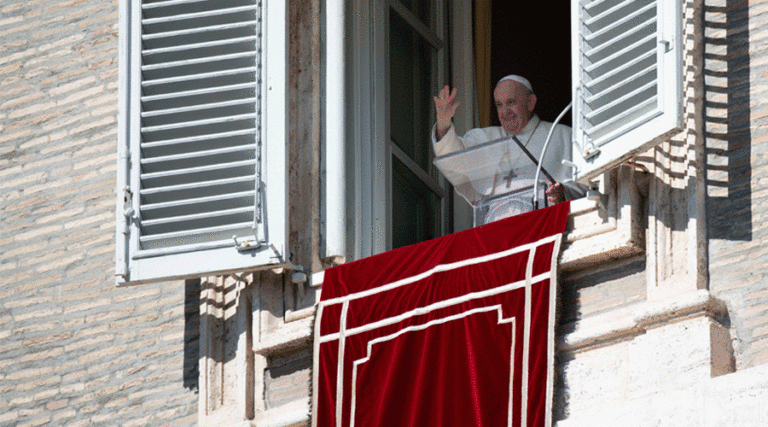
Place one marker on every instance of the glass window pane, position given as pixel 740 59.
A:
pixel 421 8
pixel 415 209
pixel 412 64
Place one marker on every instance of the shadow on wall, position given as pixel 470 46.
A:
pixel 191 334
pixel 727 123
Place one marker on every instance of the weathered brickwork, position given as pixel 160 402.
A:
pixel 736 67
pixel 74 349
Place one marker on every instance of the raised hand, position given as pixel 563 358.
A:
pixel 446 105
pixel 555 193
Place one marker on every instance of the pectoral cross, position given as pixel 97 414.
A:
pixel 510 176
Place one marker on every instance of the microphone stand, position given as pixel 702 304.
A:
pixel 541 158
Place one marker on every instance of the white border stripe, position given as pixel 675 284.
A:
pixel 500 320
pixel 510 414
pixel 551 333
pixel 316 365
pixel 436 306
pixel 340 364
pixel 527 337
pixel 441 268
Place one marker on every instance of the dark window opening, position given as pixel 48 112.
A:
pixel 533 39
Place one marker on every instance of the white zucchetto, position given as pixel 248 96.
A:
pixel 520 79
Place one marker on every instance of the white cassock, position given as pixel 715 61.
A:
pixel 532 137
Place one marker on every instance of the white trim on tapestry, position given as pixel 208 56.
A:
pixel 340 364
pixel 500 318
pixel 316 363
pixel 510 413
pixel 430 308
pixel 551 335
pixel 527 336
pixel 440 268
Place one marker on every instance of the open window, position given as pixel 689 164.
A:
pixel 416 58
pixel 620 65
pixel 627 79
pixel 202 138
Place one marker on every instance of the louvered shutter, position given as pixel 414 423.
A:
pixel 627 79
pixel 202 175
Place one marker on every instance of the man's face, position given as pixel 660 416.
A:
pixel 514 103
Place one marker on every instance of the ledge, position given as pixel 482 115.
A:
pixel 609 229
pixel 293 414
pixel 289 336
pixel 620 327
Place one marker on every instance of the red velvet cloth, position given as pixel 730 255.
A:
pixel 455 331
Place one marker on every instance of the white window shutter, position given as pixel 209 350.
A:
pixel 627 79
pixel 202 170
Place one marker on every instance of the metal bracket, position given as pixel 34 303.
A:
pixel 590 151
pixel 247 245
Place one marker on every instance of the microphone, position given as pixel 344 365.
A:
pixel 541 158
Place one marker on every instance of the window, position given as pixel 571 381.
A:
pixel 417 212
pixel 201 175
pixel 627 77
pixel 398 59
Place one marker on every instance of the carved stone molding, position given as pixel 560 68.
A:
pixel 610 228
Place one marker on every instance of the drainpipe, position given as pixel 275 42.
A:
pixel 335 141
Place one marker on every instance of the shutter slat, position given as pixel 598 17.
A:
pixel 591 68
pixel 204 91
pixel 607 12
pixel 619 70
pixel 630 81
pixel 597 112
pixel 167 174
pixel 622 123
pixel 171 221
pixel 197 138
pixel 197 30
pixel 168 3
pixel 192 193
pixel 201 76
pixel 208 153
pixel 198 201
pixel 592 5
pixel 629 22
pixel 213 234
pixel 215 105
pixel 186 47
pixel 198 61
pixel 195 186
pixel 195 123
pixel 615 95
pixel 198 15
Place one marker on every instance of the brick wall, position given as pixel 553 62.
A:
pixel 737 162
pixel 74 349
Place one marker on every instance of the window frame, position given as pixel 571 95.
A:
pixel 370 149
pixel 430 180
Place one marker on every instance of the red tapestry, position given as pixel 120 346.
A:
pixel 455 331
